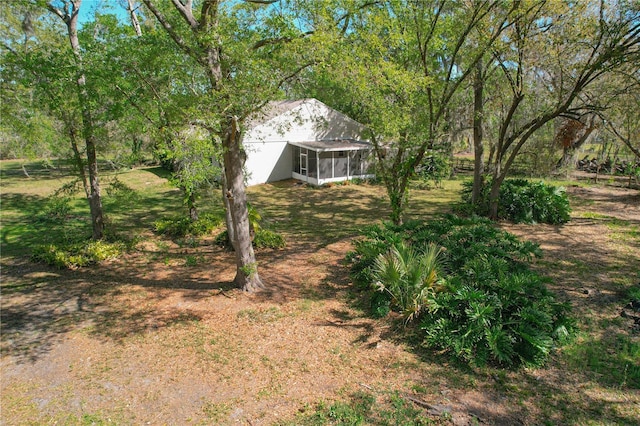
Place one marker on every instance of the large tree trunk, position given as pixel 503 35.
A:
pixel 494 196
pixel 95 199
pixel 497 177
pixel 206 50
pixel 228 220
pixel 247 276
pixel 397 198
pixel 478 148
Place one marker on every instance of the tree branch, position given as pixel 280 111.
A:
pixel 208 7
pixel 186 12
pixel 57 12
pixel 347 16
pixel 136 106
pixel 610 127
pixel 169 28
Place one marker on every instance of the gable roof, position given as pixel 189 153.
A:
pixel 300 120
pixel 271 110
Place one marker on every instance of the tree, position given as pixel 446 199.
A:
pixel 550 58
pixel 68 11
pixel 28 129
pixel 158 85
pixel 401 67
pixel 478 135
pixel 620 115
pixel 240 51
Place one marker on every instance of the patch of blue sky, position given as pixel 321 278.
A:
pixel 89 8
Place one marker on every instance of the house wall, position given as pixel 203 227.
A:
pixel 267 161
pixel 268 157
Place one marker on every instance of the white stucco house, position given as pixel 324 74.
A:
pixel 305 140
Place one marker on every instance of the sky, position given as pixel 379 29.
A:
pixel 89 7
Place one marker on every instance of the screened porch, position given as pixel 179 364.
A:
pixel 323 162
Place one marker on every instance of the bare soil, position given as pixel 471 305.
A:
pixel 147 339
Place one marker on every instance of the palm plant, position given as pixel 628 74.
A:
pixel 408 276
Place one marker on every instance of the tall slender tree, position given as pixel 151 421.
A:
pixel 68 11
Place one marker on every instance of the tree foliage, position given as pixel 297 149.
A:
pixel 552 59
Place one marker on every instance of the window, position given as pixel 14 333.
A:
pixel 326 165
pixel 340 163
pixel 303 162
pixel 313 164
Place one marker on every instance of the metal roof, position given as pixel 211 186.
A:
pixel 335 145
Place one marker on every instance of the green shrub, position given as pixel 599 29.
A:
pixel 521 200
pixel 263 238
pixel 74 255
pixel 461 238
pixel 486 315
pixel 436 167
pixel 183 226
pixel 119 191
pixel 488 305
pixel 57 220
pixel 56 210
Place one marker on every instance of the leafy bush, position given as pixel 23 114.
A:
pixel 493 316
pixel 366 181
pixel 263 238
pixel 184 226
pixel 461 239
pixel 487 306
pixel 121 192
pixel 521 200
pixel 55 210
pixel 74 255
pixel 436 167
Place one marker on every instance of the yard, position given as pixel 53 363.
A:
pixel 160 337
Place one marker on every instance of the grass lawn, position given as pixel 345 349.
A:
pixel 159 336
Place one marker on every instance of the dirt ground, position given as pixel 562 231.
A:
pixel 146 340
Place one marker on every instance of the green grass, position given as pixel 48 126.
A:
pixel 300 212
pixel 32 214
pixel 364 408
pixel 613 360
pixel 134 200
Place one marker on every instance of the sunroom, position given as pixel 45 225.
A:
pixel 321 162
